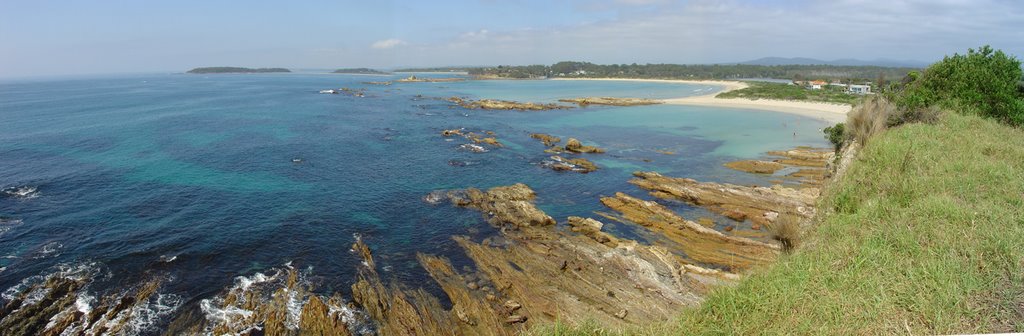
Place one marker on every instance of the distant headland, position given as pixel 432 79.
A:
pixel 360 71
pixel 214 70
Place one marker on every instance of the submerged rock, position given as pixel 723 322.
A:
pixel 582 102
pixel 755 166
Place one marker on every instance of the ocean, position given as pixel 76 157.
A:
pixel 201 179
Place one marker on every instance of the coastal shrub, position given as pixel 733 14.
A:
pixel 869 118
pixel 928 114
pixel 836 134
pixel 983 81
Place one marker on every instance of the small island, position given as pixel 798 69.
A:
pixel 360 71
pixel 216 70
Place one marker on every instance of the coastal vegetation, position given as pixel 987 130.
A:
pixel 214 70
pixel 780 91
pixel 359 71
pixel 695 71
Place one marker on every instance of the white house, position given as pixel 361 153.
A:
pixel 860 89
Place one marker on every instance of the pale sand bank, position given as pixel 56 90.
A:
pixel 833 113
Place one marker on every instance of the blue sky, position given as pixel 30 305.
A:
pixel 44 37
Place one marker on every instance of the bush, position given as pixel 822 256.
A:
pixel 984 81
pixel 928 115
pixel 869 118
pixel 836 135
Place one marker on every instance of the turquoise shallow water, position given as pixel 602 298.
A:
pixel 129 172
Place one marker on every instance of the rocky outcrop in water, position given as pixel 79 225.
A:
pixel 547 139
pixel 575 146
pixel 582 102
pixel 494 104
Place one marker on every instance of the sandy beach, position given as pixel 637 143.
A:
pixel 833 113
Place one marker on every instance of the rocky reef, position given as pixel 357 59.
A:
pixel 760 205
pixel 61 304
pixel 547 139
pixel 755 166
pixel 583 102
pixel 809 162
pixel 494 104
pixel 414 79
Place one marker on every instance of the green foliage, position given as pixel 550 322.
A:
pixel 836 134
pixel 983 81
pixel 779 91
pixel 212 70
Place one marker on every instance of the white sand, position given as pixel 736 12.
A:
pixel 833 113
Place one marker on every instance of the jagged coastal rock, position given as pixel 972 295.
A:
pixel 582 102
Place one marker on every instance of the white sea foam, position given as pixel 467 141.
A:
pixel 23 192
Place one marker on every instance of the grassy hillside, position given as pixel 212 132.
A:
pixel 925 236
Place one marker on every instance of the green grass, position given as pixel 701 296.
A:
pixel 763 90
pixel 923 235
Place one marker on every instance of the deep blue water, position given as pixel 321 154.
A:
pixel 131 171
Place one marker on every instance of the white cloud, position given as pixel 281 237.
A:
pixel 387 44
pixel 704 31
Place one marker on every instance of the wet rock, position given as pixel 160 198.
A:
pixel 473 148
pixel 582 102
pixel 579 165
pixel 451 132
pixel 548 140
pixel 576 146
pixel 755 166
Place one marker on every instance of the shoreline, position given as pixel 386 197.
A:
pixel 828 112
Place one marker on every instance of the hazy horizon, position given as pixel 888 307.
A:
pixel 48 38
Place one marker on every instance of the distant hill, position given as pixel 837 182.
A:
pixel 214 70
pixel 840 62
pixel 360 71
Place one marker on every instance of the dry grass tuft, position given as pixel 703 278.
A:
pixel 786 230
pixel 869 118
